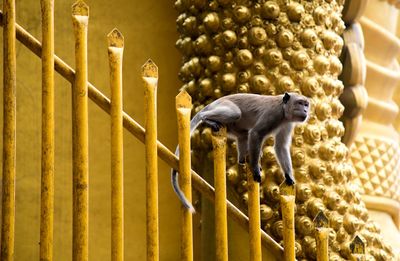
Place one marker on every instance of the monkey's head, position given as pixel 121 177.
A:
pixel 296 107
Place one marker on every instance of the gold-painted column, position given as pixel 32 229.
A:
pixel 254 217
pixel 221 221
pixel 80 18
pixel 150 80
pixel 9 126
pixel 183 110
pixel 322 236
pixel 287 200
pixel 47 180
pixel 115 54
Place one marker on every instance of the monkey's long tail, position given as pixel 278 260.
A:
pixel 174 174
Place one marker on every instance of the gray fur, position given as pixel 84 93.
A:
pixel 250 118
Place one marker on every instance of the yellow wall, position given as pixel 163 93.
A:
pixel 149 30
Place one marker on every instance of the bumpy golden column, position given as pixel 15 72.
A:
pixel 183 110
pixel 150 80
pixel 269 47
pixel 115 54
pixel 47 186
pixel 9 128
pixel 254 216
pixel 221 221
pixel 287 200
pixel 80 18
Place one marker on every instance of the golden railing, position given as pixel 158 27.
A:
pixel 82 89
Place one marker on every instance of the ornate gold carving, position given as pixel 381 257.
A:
pixel 377 163
pixel 270 47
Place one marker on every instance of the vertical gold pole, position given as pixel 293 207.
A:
pixel 9 125
pixel 115 53
pixel 47 184
pixel 287 200
pixel 150 80
pixel 254 217
pixel 322 236
pixel 221 221
pixel 183 109
pixel 80 17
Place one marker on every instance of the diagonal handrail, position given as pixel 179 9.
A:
pixel 139 132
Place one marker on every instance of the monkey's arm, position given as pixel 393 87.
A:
pixel 282 149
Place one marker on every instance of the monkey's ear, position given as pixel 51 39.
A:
pixel 286 97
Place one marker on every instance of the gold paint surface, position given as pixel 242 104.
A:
pixel 9 132
pixel 183 108
pixel 47 179
pixel 221 219
pixel 115 56
pixel 80 136
pixel 287 206
pixel 150 80
pixel 254 216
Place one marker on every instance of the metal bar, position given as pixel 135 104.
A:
pixel 115 54
pixel 321 223
pixel 322 236
pixel 221 220
pixel 139 132
pixel 9 128
pixel 80 18
pixel 254 217
pixel 150 79
pixel 287 206
pixel 47 179
pixel 183 109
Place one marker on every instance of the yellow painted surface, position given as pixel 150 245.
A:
pixel 9 150
pixel 287 206
pixel 183 110
pixel 47 178
pixel 322 237
pixel 254 217
pixel 221 223
pixel 150 80
pixel 115 53
pixel 80 146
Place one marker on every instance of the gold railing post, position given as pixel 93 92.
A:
pixel 357 248
pixel 183 109
pixel 9 126
pixel 47 179
pixel 254 216
pixel 138 132
pixel 287 200
pixel 150 80
pixel 115 54
pixel 221 221
pixel 322 236
pixel 80 18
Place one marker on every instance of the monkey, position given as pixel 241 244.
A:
pixel 250 118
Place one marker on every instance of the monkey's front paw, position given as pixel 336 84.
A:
pixel 289 180
pixel 257 174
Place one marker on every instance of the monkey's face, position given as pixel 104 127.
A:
pixel 298 108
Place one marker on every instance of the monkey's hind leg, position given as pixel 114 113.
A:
pixel 242 145
pixel 222 114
